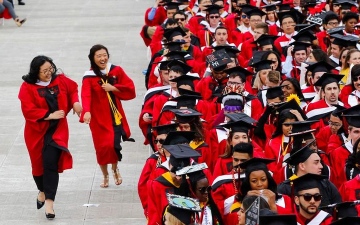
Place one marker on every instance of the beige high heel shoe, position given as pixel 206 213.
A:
pixel 117 176
pixel 19 22
pixel 105 184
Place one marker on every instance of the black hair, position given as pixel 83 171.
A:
pixel 354 158
pixel 331 16
pixel 33 76
pixel 296 86
pixel 171 21
pixel 350 15
pixel 287 16
pixel 179 13
pixel 276 53
pixel 320 56
pixel 91 55
pixel 221 27
pixel 244 148
pixel 284 115
pixel 245 186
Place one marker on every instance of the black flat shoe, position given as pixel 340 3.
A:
pixel 39 204
pixel 21 3
pixel 50 216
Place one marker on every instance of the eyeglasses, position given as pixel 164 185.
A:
pixel 50 69
pixel 203 190
pixel 233 83
pixel 214 17
pixel 308 197
pixel 161 141
pixel 244 16
pixel 180 19
pixel 334 124
pixel 355 78
pixel 255 21
pixel 333 23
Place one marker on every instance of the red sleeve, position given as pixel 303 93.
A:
pixel 277 45
pixel 154 206
pixel 124 84
pixel 143 179
pixel 322 139
pixel 334 142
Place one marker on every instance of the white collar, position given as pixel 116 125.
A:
pixel 42 83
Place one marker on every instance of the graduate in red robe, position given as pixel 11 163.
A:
pixel 308 197
pixel 46 98
pixel 103 88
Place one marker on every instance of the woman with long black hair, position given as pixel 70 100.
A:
pixel 46 98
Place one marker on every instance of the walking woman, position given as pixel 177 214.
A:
pixel 46 98
pixel 103 88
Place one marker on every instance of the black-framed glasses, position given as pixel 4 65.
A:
pixel 355 78
pixel 244 16
pixel 214 17
pixel 161 141
pixel 308 197
pixel 180 19
pixel 203 190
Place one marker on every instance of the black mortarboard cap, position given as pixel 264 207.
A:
pixel 243 73
pixel 295 14
pixel 336 30
pixel 230 50
pixel 188 92
pixel 345 40
pixel 240 116
pixel 185 115
pixel 213 9
pixel 274 92
pixel 266 39
pixel 255 164
pixel 328 78
pixel 292 104
pixel 239 126
pixel 257 57
pixel 255 11
pixel 183 208
pixel 179 137
pixel 301 127
pixel 306 182
pixel 172 5
pixel 170 33
pixel 284 7
pixel 262 65
pixel 166 128
pixel 181 151
pixel 184 80
pixel 218 60
pixel 246 8
pixel 342 210
pixel 347 220
pixel 164 65
pixel 176 55
pixel 174 45
pixel 278 220
pixel 269 8
pixel 338 111
pixel 299 46
pixel 321 66
pixel 306 36
pixel 188 101
pixel 346 4
pixel 182 67
pixel 352 116
pixel 300 155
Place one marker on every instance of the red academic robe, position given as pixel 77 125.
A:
pixel 317 108
pixel 155 44
pixel 206 86
pixel 345 92
pixel 281 42
pixel 156 199
pixel 350 191
pixel 106 135
pixel 194 23
pixel 34 106
pixel 149 167
pixel 321 218
pixel 159 18
pixel 236 37
pixel 323 40
pixel 338 159
pixel 247 49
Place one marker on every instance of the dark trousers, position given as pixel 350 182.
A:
pixel 49 181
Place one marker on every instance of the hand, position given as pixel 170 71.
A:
pixel 268 195
pixel 87 117
pixel 290 50
pixel 297 114
pixel 77 108
pixel 157 3
pixel 1 1
pixel 166 51
pixel 147 118
pixel 108 87
pixel 56 115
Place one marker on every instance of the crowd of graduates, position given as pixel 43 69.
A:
pixel 252 112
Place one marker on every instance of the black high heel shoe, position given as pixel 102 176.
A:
pixel 50 216
pixel 39 204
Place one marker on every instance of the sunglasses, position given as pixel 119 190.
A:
pixel 161 141
pixel 244 16
pixel 308 197
pixel 356 78
pixel 214 17
pixel 180 19
pixel 203 190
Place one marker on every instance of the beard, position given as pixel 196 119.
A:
pixel 308 210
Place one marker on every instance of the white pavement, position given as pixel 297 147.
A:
pixel 65 30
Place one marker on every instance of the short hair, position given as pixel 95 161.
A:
pixel 350 15
pixel 246 148
pixel 263 26
pixel 287 16
pixel 179 13
pixel 220 27
pixel 170 21
pixel 274 76
pixel 235 74
pixel 331 16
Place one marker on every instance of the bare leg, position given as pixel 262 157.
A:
pixel 116 174
pixel 105 173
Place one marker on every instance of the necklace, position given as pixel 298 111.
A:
pixel 234 182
